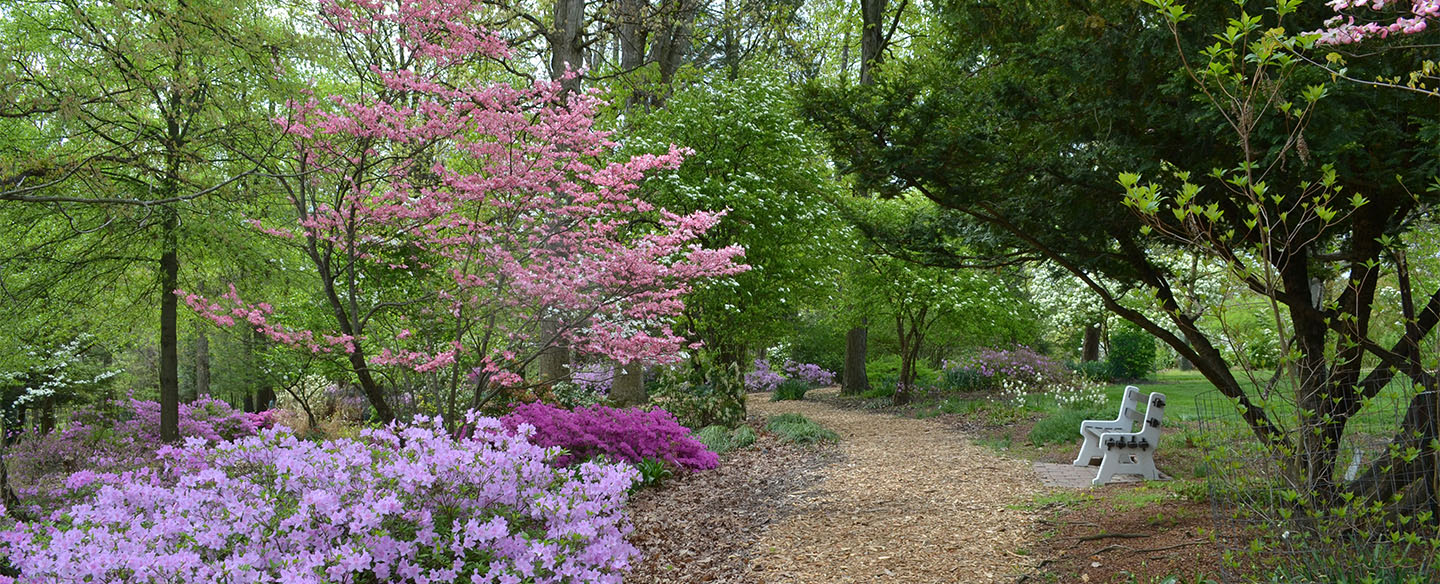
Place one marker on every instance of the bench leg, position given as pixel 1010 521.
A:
pixel 1089 449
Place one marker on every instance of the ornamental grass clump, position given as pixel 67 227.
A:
pixel 631 435
pixel 402 504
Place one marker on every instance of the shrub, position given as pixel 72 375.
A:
pixel 404 504
pixel 700 395
pixel 881 390
pixel 762 378
pixel 989 368
pixel 1062 426
pixel 800 430
pixel 963 379
pixel 104 439
pixel 631 435
pixel 1093 370
pixel 885 371
pixel 715 438
pixel 1132 353
pixel 791 389
pixel 808 373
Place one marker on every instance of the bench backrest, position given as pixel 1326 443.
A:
pixel 1154 418
pixel 1130 405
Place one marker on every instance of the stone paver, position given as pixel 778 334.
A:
pixel 1078 477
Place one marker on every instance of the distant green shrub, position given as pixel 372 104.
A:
pixel 885 371
pixel 1094 370
pixel 880 391
pixel 1132 352
pixel 800 430
pixel 790 389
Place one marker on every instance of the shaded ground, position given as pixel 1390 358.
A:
pixel 910 500
pixel 699 527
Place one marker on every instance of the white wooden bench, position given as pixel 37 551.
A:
pixel 1133 452
pixel 1091 430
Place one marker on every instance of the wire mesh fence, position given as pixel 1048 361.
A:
pixel 1362 508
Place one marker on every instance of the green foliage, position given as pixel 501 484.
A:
pixel 754 159
pixel 818 337
pixel 742 437
pixel 653 471
pixel 720 439
pixel 1132 353
pixel 1094 370
pixel 701 394
pixel 716 438
pixel 963 379
pixel 884 371
pixel 1062 426
pixel 880 391
pixel 800 430
pixel 790 389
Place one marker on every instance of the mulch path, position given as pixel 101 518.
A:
pixel 903 500
pixel 898 500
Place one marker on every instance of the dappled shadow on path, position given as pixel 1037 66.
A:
pixel 912 501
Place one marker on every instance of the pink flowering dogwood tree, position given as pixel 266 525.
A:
pixel 457 229
pixel 1391 17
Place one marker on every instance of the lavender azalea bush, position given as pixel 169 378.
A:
pixel 404 504
pixel 98 439
pixel 764 378
pixel 631 435
pixel 990 368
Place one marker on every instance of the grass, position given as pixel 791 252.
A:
pixel 790 389
pixel 800 430
pixel 719 439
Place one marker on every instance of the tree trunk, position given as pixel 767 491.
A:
pixel 565 45
pixel 872 38
pixel 47 415
pixel 169 338
pixel 264 399
pixel 554 360
pixel 202 361
pixel 1090 348
pixel 902 385
pixel 628 388
pixel 853 380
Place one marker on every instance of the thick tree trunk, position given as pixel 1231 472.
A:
pixel 565 41
pixel 1090 347
pixel 47 415
pixel 628 388
pixel 853 380
pixel 872 38
pixel 202 361
pixel 169 337
pixel 554 360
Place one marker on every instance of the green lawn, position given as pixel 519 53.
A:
pixel 1190 397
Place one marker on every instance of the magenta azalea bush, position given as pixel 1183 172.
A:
pixel 631 435
pixel 764 378
pixel 404 504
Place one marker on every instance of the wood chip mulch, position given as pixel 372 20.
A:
pixel 899 500
pixel 699 527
